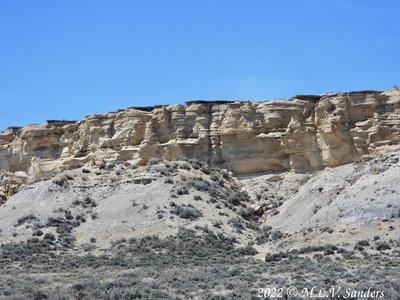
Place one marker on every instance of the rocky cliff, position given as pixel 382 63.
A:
pixel 305 132
pixel 89 221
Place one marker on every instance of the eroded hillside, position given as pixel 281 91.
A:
pixel 208 200
pixel 177 230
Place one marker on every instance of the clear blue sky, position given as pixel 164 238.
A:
pixel 66 59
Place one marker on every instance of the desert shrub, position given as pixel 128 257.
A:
pixel 55 222
pixel 196 164
pixel 64 227
pixel 318 256
pixel 252 225
pixel 169 180
pixel 29 218
pixel 153 161
pixel 237 197
pixel 316 209
pixel 185 247
pixel 215 176
pixel 276 256
pixel 39 295
pixel 186 212
pixel 326 229
pixel 182 191
pixel 266 234
pixel 80 218
pixel 68 215
pixel 248 213
pixel 160 213
pixel 88 247
pixel 237 223
pixel 217 224
pixel 310 249
pixel 381 246
pixel 62 181
pixel 37 232
pixel 85 202
pixel 185 165
pixel 229 195
pixel 200 185
pixel 88 202
pixel 330 249
pixel 360 245
pixel 206 169
pixel 276 235
pixel 49 236
pixel 247 250
pixel 348 255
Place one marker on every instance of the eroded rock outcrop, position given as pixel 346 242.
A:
pixel 302 133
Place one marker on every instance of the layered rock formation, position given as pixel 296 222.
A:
pixel 304 133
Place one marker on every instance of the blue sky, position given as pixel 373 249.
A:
pixel 66 59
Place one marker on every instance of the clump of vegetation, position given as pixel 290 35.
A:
pixel 63 181
pixel 268 234
pixel 193 262
pixel 169 180
pixel 186 212
pixel 316 209
pixel 360 245
pixel 27 219
pixel 64 226
pixel 86 202
pixel 310 249
pixel 330 249
pixel 276 256
pixel 153 161
pixel 183 190
pixel 217 224
pixel 248 214
pixel 164 168
pixel 247 250
pixel 37 232
pixel 237 223
pixel 382 246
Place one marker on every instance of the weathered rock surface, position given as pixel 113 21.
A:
pixel 78 214
pixel 303 133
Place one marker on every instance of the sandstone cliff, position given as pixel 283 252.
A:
pixel 95 219
pixel 305 132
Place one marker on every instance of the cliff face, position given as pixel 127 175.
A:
pixel 301 133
